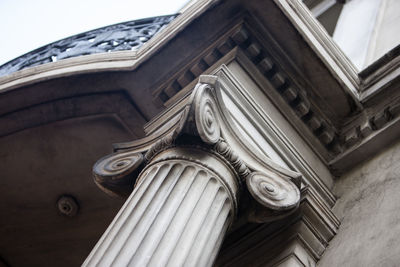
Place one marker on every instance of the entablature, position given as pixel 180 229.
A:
pixel 323 111
pixel 290 91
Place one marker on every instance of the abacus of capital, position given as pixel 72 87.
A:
pixel 189 188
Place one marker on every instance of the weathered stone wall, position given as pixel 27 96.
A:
pixel 369 209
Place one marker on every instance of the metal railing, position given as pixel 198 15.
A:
pixel 129 35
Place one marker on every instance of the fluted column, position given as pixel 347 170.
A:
pixel 185 196
pixel 178 214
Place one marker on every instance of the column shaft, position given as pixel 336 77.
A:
pixel 176 216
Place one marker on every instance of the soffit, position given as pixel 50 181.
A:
pixel 38 166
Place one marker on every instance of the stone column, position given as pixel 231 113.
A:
pixel 182 205
pixel 187 183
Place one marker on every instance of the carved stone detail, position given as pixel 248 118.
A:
pixel 205 115
pixel 336 139
pixel 273 191
pixel 160 145
pixel 226 151
pixel 114 173
pixel 199 119
pixel 295 96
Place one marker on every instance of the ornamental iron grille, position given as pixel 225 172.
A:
pixel 129 35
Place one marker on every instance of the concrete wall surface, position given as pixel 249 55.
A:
pixel 369 209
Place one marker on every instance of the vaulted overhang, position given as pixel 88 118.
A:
pixel 288 90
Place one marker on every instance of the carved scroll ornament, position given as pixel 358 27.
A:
pixel 273 194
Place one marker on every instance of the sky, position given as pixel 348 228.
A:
pixel 29 24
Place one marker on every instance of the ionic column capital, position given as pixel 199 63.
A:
pixel 274 192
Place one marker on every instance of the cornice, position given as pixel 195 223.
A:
pixel 240 38
pixel 337 138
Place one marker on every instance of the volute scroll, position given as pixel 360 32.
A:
pixel 272 191
pixel 115 173
pixel 205 115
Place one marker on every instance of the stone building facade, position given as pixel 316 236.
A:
pixel 236 133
